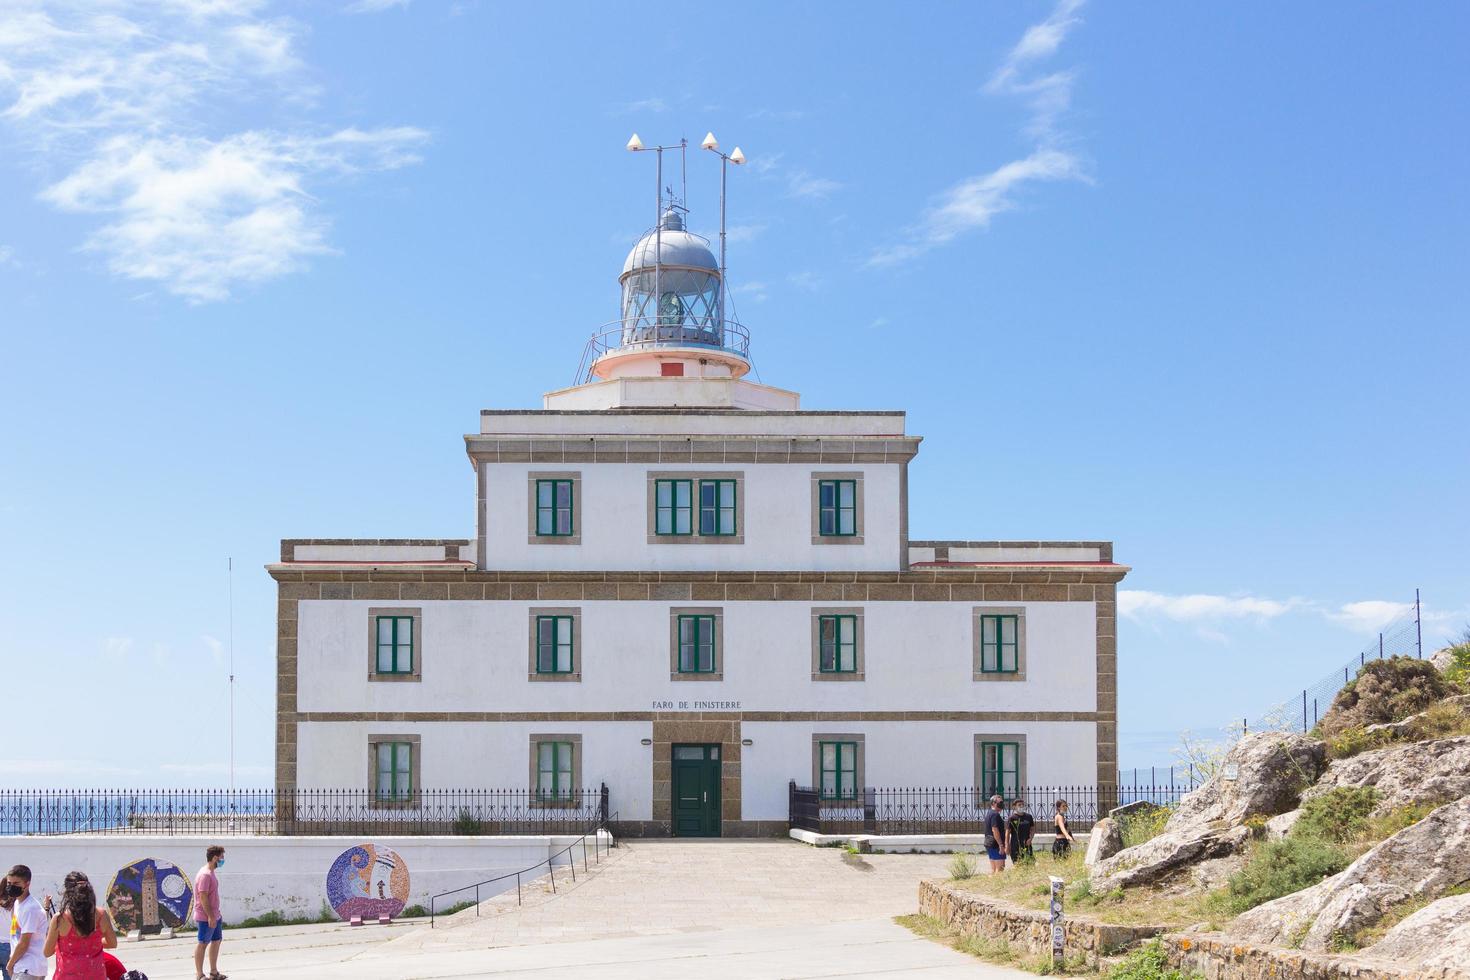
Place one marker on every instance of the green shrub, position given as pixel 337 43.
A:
pixel 466 824
pixel 1338 815
pixel 1143 825
pixel 1395 820
pixel 1383 691
pixel 1148 962
pixel 1281 867
pixel 962 866
pixel 1458 673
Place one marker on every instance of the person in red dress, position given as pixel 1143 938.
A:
pixel 77 936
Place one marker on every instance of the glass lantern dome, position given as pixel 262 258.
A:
pixel 672 289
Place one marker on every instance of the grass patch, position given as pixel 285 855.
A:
pixel 992 950
pixel 1028 886
pixel 1143 826
pixel 1281 867
pixel 271 919
pixel 422 911
pixel 1149 962
pixel 962 867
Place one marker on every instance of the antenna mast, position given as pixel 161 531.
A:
pixel 231 572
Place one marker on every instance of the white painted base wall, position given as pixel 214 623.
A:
pixel 285 874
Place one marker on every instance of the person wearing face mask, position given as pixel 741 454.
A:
pixel 207 914
pixel 27 928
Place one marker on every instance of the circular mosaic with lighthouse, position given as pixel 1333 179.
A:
pixel 368 880
pixel 148 895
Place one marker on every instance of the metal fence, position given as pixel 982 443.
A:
pixel 306 811
pixel 955 810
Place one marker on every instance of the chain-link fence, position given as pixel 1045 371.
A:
pixel 1300 712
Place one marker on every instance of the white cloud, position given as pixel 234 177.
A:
pixel 653 104
pixel 754 290
pixel 216 648
pixel 117 646
pixel 972 203
pixel 738 234
pixel 1138 604
pixel 800 183
pixel 122 95
pixel 7 255
pixel 805 280
pixel 374 6
pixel 1369 615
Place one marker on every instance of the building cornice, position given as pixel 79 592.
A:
pixel 725 448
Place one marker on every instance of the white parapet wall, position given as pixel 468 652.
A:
pixel 147 881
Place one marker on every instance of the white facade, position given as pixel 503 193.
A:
pixel 923 694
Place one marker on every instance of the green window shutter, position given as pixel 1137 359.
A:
pixel 696 644
pixel 394 771
pixel 837 638
pixel 1000 765
pixel 837 508
pixel 395 643
pixel 554 645
pixel 717 508
pixel 838 764
pixel 999 644
pixel 554 510
pixel 673 507
pixel 553 770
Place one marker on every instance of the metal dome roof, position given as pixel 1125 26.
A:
pixel 679 247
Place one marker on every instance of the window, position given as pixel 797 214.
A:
pixel 837 642
pixel 554 508
pixel 555 645
pixel 1000 768
pixel 717 508
pixel 696 645
pixel 673 507
pixel 999 644
pixel 394 781
pixel 838 761
pixel 394 645
pixel 837 508
pixel 554 770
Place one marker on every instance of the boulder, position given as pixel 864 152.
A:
pixel 1436 935
pixel 1420 861
pixel 1442 659
pixel 1269 771
pixel 1105 840
pixel 1415 772
pixel 1280 825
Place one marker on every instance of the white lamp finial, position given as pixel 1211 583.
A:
pixel 737 156
pixel 635 144
pixel 710 143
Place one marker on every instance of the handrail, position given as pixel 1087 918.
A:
pixel 601 824
pixel 643 332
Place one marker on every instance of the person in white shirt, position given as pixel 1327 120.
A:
pixel 5 903
pixel 27 928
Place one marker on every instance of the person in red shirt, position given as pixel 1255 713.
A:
pixel 113 968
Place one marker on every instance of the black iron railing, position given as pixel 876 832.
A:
pixel 303 811
pixel 951 810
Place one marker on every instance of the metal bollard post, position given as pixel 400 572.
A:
pixel 1058 933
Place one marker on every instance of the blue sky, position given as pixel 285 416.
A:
pixel 1192 279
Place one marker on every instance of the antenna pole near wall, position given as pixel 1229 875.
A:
pixel 737 158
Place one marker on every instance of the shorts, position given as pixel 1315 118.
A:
pixel 207 935
pixel 994 853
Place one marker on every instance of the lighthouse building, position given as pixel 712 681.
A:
pixel 686 587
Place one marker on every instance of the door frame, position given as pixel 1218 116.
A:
pixel 713 808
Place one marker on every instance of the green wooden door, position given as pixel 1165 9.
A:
pixel 696 778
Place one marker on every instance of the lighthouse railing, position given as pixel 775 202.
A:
pixel 651 332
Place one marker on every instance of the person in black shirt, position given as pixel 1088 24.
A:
pixel 995 836
pixel 1020 829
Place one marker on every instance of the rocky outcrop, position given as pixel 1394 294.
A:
pixel 1105 840
pixel 1268 772
pixel 1432 772
pixel 1420 861
pixel 1437 935
pixel 1442 659
pixel 1280 825
pixel 1413 727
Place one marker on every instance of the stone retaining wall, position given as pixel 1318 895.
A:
pixel 976 915
pixel 1219 957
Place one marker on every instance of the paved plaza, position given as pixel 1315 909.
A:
pixel 652 909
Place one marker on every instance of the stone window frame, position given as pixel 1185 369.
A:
pixel 415 764
pixel 976 647
pixel 694 476
pixel 531 536
pixel 568 802
pixel 982 797
pixel 860 766
pixel 417 613
pixel 859 654
pixel 718 612
pixel 856 476
pixel 575 612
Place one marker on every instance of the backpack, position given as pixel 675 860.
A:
pixel 135 975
